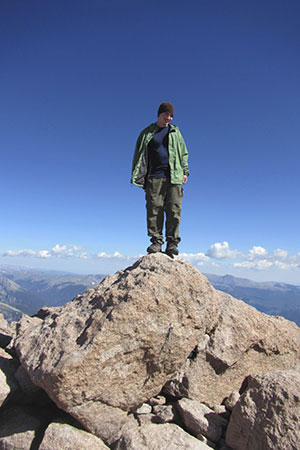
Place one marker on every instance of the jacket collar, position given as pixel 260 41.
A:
pixel 155 127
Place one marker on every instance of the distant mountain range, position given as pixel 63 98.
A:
pixel 26 291
pixel 279 299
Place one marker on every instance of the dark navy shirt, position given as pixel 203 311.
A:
pixel 159 154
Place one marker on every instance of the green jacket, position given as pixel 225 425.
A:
pixel 178 156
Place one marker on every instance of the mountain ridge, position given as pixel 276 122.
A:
pixel 42 288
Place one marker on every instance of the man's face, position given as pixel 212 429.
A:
pixel 164 119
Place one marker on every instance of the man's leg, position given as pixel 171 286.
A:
pixel 155 200
pixel 173 216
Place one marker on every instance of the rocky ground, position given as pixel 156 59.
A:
pixel 152 358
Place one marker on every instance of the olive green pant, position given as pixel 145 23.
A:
pixel 162 197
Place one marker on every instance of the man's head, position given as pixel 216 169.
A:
pixel 166 107
pixel 165 114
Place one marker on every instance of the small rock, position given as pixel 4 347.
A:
pixel 232 400
pixel 63 436
pixel 163 437
pixel 219 409
pixel 102 420
pixel 158 400
pixel 144 409
pixel 200 419
pixel 163 413
pixel 222 411
pixel 144 419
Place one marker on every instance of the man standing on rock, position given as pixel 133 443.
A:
pixel 160 166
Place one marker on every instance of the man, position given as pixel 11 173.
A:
pixel 160 166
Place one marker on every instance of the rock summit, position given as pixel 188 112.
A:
pixel 157 327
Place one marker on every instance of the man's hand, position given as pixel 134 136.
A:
pixel 185 178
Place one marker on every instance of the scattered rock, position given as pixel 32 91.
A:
pixel 60 436
pixel 219 409
pixel 267 415
pixel 104 421
pixel 144 409
pixel 222 411
pixel 164 413
pixel 163 437
pixel 145 419
pixel 199 419
pixel 232 400
pixel 158 400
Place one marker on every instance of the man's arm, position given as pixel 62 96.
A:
pixel 184 158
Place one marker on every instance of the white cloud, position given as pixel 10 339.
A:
pixel 103 255
pixel 281 254
pixel 118 255
pixel 83 255
pixel 263 264
pixel 194 256
pixel 259 258
pixel 44 254
pixel 259 265
pixel 285 266
pixel 214 264
pixel 108 256
pixel 76 248
pixel 256 258
pixel 222 251
pixel 19 253
pixel 257 252
pixel 59 249
pixel 69 251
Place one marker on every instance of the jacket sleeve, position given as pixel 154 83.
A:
pixel 136 154
pixel 184 156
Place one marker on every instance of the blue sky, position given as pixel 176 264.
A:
pixel 80 79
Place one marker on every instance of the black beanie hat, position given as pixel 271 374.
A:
pixel 166 107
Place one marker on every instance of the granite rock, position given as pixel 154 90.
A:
pixel 267 415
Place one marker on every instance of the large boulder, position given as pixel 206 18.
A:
pixel 244 341
pixel 267 414
pixel 158 323
pixel 116 345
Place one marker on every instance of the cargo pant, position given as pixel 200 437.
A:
pixel 163 197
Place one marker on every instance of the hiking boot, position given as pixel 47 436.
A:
pixel 154 248
pixel 172 249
